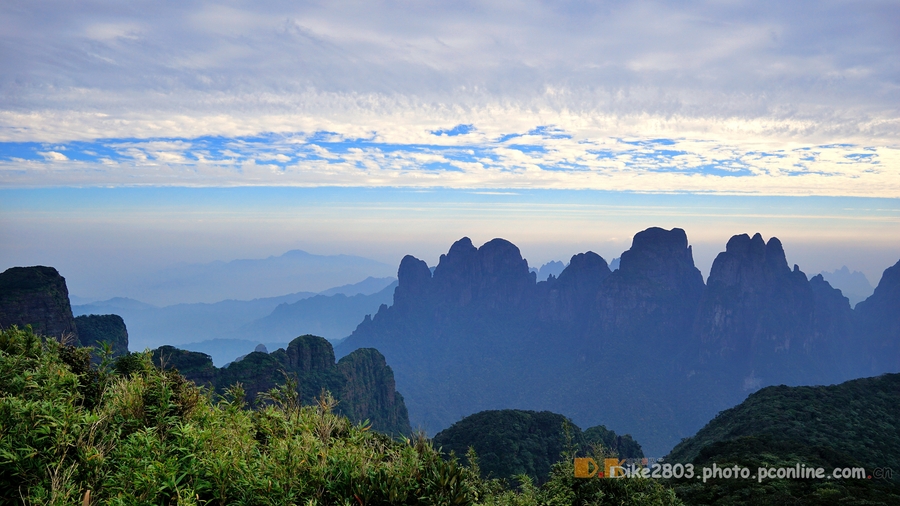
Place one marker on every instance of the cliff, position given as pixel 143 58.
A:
pixel 878 324
pixel 37 296
pixel 757 319
pixel 95 329
pixel 362 382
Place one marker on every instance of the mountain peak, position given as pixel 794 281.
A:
pixel 463 245
pixel 587 264
pixel 775 254
pixel 413 280
pixel 661 255
pixel 745 247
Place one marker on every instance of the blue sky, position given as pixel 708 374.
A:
pixel 194 131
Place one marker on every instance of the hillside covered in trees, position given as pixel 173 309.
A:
pixel 853 424
pixel 512 442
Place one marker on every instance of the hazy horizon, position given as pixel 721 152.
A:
pixel 106 241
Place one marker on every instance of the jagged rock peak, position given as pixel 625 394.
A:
pixel 822 289
pixel 889 285
pixel 743 246
pixel 495 273
pixel 500 255
pixel 495 257
pixel 757 250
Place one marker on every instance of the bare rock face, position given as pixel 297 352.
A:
pixel 652 298
pixel 759 318
pixel 36 296
pixel 878 324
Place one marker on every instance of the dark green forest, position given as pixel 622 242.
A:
pixel 853 424
pixel 512 442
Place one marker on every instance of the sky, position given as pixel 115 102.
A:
pixel 141 134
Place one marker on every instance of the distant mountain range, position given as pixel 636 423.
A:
pixel 235 327
pixel 649 349
pixel 854 285
pixel 553 268
pixel 246 279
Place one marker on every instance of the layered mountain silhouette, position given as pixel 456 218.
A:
pixel 648 348
pixel 230 328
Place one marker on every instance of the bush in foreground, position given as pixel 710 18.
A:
pixel 128 433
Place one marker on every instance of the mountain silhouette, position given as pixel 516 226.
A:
pixel 648 348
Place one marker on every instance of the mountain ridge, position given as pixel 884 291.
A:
pixel 482 333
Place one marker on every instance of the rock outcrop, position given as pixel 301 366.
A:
pixel 37 296
pixel 653 296
pixel 109 328
pixel 757 316
pixel 571 297
pixel 362 382
pixel 878 324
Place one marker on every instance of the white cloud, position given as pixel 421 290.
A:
pixel 55 156
pixel 733 82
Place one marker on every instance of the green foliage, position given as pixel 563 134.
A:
pixel 853 424
pixel 858 418
pixel 755 452
pixel 624 447
pixel 27 278
pixel 512 442
pixel 96 330
pixel 362 380
pixel 130 433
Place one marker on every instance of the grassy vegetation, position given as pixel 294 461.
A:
pixel 128 433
